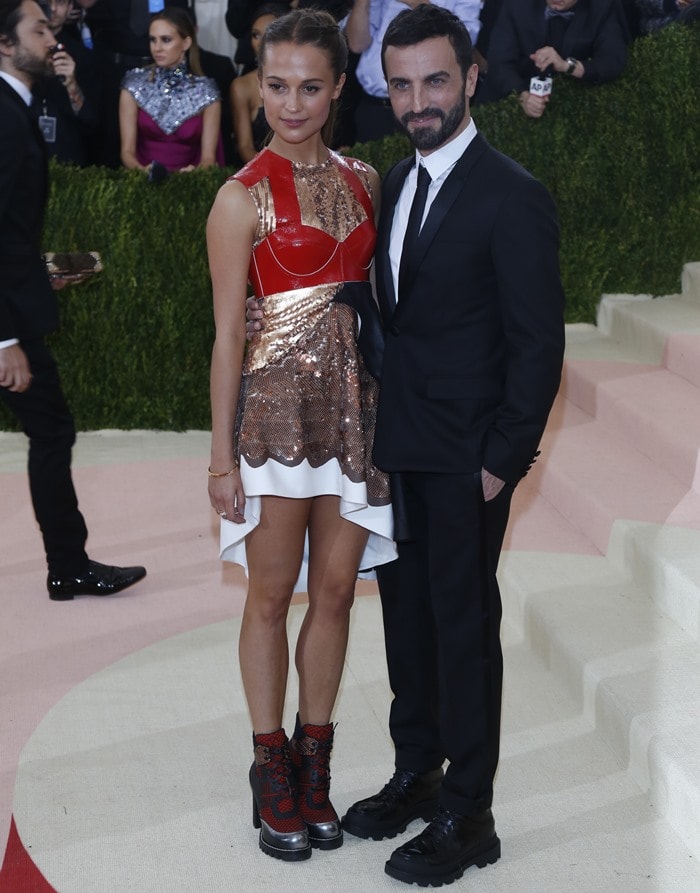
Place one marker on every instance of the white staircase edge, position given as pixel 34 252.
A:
pixel 642 725
pixel 664 561
pixel 618 321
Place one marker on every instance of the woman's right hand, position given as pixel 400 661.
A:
pixel 227 497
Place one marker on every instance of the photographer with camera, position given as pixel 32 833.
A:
pixel 68 99
pixel 582 39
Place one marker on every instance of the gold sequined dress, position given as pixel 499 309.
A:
pixel 307 407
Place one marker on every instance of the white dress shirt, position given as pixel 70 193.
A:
pixel 439 165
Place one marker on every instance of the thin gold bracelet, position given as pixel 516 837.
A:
pixel 222 474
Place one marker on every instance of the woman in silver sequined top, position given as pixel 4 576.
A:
pixel 169 112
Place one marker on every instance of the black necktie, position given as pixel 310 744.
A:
pixel 415 218
pixel 140 17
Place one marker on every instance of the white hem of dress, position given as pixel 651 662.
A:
pixel 302 482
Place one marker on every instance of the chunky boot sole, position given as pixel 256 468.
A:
pixel 425 875
pixel 272 843
pixel 364 826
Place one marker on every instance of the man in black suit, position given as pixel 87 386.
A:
pixel 473 309
pixel 583 39
pixel 29 382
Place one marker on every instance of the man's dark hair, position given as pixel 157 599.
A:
pixel 10 17
pixel 423 22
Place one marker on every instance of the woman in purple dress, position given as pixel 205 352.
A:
pixel 169 112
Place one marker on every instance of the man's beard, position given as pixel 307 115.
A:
pixel 427 137
pixel 32 65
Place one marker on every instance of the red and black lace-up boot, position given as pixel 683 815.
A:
pixel 283 833
pixel 311 754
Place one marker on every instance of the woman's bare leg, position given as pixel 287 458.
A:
pixel 335 550
pixel 274 551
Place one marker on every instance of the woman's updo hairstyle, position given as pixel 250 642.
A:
pixel 310 27
pixel 182 22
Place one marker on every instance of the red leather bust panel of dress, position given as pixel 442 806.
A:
pixel 295 255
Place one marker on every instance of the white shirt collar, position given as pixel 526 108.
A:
pixel 445 158
pixel 18 87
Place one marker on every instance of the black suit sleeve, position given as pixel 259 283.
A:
pixel 525 252
pixel 12 142
pixel 608 52
pixel 238 15
pixel 509 64
pixel 488 17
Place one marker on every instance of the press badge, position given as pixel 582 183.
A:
pixel 47 125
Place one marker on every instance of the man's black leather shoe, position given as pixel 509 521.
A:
pixel 407 796
pixel 99 579
pixel 445 848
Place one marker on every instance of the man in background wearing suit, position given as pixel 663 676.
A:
pixel 582 39
pixel 29 382
pixel 470 293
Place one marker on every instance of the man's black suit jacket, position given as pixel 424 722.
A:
pixel 28 305
pixel 474 347
pixel 596 35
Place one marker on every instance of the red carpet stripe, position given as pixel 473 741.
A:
pixel 18 873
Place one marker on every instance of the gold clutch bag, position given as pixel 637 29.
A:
pixel 75 266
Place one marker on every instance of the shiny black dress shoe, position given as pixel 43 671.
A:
pixel 445 848
pixel 99 579
pixel 407 796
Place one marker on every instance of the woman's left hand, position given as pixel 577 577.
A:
pixel 227 497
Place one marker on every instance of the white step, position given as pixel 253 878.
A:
pixel 635 673
pixel 664 425
pixel 621 460
pixel 664 562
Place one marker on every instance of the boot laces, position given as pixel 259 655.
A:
pixel 396 786
pixel 278 767
pixel 440 826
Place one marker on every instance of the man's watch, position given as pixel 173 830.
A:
pixel 572 65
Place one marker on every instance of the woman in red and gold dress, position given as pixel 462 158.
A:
pixel 303 508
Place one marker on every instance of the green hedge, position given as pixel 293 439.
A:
pixel 621 161
pixel 135 343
